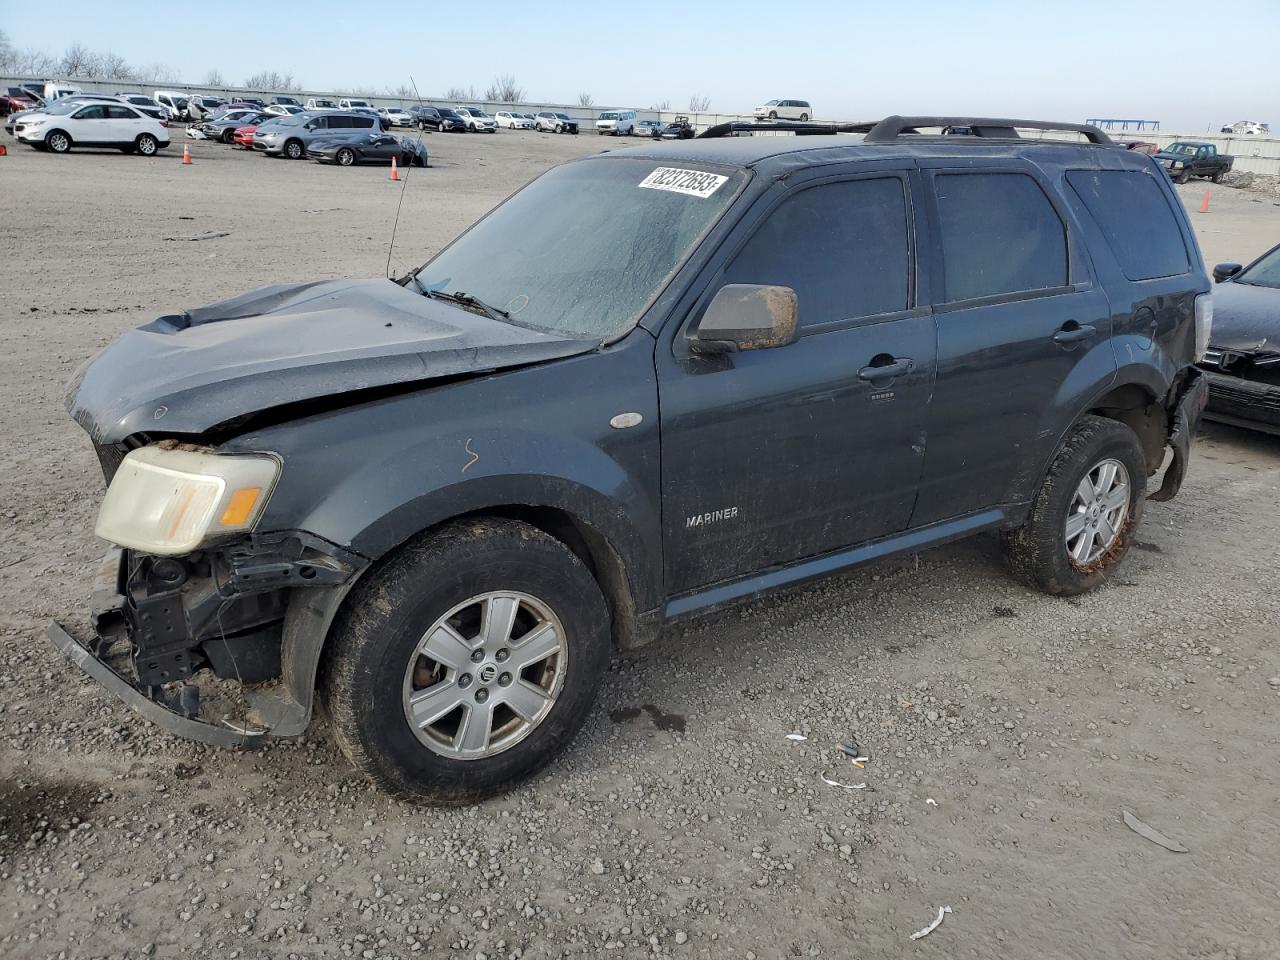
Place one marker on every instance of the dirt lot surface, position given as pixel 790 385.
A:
pixel 1006 731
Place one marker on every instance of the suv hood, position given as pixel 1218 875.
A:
pixel 189 372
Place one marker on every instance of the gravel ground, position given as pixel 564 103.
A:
pixel 1006 731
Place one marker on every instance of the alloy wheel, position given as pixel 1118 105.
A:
pixel 485 675
pixel 1098 511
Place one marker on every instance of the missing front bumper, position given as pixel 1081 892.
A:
pixel 159 712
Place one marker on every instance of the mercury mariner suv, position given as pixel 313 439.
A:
pixel 654 382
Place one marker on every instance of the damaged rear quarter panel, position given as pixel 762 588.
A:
pixel 371 476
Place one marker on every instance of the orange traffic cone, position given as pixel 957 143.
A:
pixel 186 154
pixel 1204 204
pixel 395 171
pixel 3 150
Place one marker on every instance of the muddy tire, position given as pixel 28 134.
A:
pixel 466 662
pixel 1086 514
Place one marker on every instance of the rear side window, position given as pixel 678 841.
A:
pixel 843 247
pixel 360 122
pixel 1000 235
pixel 1133 214
pixel 121 113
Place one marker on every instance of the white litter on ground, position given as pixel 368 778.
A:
pixel 796 736
pixel 942 911
pixel 837 783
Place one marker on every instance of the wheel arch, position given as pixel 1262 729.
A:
pixel 311 612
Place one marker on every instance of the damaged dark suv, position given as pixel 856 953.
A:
pixel 650 384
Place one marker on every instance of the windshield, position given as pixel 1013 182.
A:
pixel 772 103
pixel 294 121
pixel 1264 273
pixel 1185 149
pixel 584 248
pixel 563 116
pixel 608 116
pixel 64 107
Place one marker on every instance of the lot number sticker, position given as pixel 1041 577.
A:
pixel 694 183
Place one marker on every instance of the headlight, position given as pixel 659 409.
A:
pixel 170 502
pixel 1177 164
pixel 1204 323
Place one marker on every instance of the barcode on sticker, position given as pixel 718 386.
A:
pixel 694 183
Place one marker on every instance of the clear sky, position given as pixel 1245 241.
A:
pixel 1179 62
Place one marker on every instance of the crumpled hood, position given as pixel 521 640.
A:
pixel 186 373
pixel 1246 319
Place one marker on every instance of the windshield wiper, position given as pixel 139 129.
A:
pixel 463 300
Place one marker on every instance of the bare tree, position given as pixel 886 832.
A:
pixel 270 80
pixel 79 61
pixel 663 105
pixel 461 93
pixel 403 91
pixel 214 79
pixel 35 63
pixel 156 73
pixel 113 67
pixel 699 103
pixel 8 54
pixel 586 100
pixel 504 89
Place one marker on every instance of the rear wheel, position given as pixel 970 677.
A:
pixel 147 145
pixel 346 157
pixel 58 142
pixel 1086 514
pixel 467 661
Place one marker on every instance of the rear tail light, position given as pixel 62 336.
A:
pixel 1204 323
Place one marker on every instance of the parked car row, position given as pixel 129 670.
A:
pixel 342 137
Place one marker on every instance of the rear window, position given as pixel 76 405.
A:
pixel 1000 235
pixel 1133 214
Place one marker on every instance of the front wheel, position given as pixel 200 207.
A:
pixel 467 661
pixel 773 114
pixel 804 116
pixel 346 157
pixel 1183 176
pixel 293 150
pixel 58 142
pixel 1086 515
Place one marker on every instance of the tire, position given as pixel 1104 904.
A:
pixel 804 116
pixel 57 142
pixel 146 145
pixel 378 661
pixel 1038 551
pixel 773 114
pixel 293 150
pixel 1183 176
pixel 228 136
pixel 1217 177
pixel 345 157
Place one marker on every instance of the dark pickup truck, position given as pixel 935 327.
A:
pixel 1184 160
pixel 655 382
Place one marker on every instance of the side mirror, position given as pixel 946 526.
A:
pixel 1225 271
pixel 746 316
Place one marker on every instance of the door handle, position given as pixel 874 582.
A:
pixel 893 367
pixel 1073 332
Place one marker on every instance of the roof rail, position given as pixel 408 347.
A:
pixel 799 127
pixel 890 128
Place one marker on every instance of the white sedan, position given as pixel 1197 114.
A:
pixel 62 126
pixel 396 117
pixel 513 121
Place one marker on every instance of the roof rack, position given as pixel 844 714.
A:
pixel 891 129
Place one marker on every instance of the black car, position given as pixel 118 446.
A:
pixel 371 148
pixel 427 118
pixel 450 121
pixel 1243 358
pixel 440 502
pixel 678 129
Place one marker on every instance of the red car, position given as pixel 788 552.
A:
pixel 1140 146
pixel 244 136
pixel 14 99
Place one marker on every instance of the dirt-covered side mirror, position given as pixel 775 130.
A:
pixel 746 316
